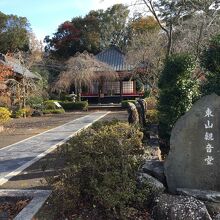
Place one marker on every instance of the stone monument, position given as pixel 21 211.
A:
pixel 133 116
pixel 143 106
pixel 194 158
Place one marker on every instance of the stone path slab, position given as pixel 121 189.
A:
pixel 17 157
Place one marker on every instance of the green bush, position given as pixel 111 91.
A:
pixel 49 104
pixel 83 105
pixel 19 113
pixel 51 108
pixel 178 91
pixel 210 60
pixel 99 124
pixel 102 171
pixel 124 103
pixel 4 115
pixel 146 93
pixel 34 101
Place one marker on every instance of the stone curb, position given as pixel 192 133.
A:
pixel 38 197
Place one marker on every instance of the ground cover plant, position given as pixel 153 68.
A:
pixel 100 178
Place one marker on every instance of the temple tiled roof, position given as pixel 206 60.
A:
pixel 114 57
pixel 16 67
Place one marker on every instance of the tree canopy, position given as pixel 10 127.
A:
pixel 178 91
pixel 14 33
pixel 94 32
pixel 185 23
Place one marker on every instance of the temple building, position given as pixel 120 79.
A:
pixel 112 89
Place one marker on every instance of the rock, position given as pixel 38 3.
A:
pixel 140 115
pixel 156 184
pixel 36 113
pixel 194 158
pixel 143 106
pixel 155 168
pixel 133 117
pixel 171 207
pixel 206 195
pixel 154 153
pixel 213 209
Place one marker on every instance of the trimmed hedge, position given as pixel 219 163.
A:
pixel 83 105
pixel 51 108
pixel 49 104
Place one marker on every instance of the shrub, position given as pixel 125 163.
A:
pixel 83 105
pixel 99 124
pixel 49 104
pixel 152 116
pixel 34 101
pixel 151 103
pixel 178 91
pixel 146 93
pixel 23 112
pixel 102 165
pixel 19 113
pixel 51 108
pixel 4 115
pixel 5 100
pixel 124 103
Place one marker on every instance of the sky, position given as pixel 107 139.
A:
pixel 46 15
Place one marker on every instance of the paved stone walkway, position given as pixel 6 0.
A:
pixel 17 157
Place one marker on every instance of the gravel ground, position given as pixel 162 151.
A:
pixel 34 176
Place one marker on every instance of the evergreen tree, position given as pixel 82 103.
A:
pixel 178 90
pixel 14 33
pixel 210 61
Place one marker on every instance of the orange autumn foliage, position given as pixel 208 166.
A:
pixel 5 71
pixel 145 24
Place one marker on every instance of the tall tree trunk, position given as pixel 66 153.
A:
pixel 170 41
